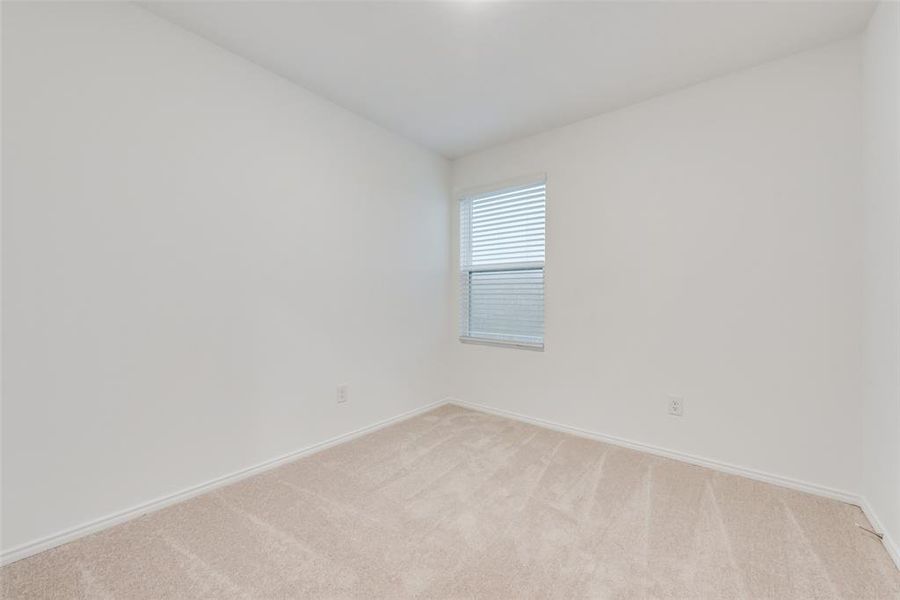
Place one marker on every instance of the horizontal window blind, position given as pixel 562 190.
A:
pixel 502 265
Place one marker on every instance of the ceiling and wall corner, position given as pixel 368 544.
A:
pixel 461 76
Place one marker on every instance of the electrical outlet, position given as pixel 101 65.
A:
pixel 676 406
pixel 343 392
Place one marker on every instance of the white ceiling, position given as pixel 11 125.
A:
pixel 460 76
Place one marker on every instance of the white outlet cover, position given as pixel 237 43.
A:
pixel 676 406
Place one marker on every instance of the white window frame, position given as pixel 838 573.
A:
pixel 465 270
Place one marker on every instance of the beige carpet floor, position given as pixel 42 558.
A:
pixel 461 504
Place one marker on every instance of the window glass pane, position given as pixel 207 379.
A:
pixel 502 255
pixel 507 304
pixel 507 228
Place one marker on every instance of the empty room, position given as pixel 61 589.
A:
pixel 449 300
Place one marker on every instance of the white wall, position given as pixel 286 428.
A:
pixel 195 253
pixel 881 152
pixel 706 243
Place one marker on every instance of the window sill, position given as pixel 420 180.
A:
pixel 537 346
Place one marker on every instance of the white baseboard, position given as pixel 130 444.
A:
pixel 57 539
pixel 31 548
pixel 794 484
pixel 890 544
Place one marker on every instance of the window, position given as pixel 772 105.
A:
pixel 502 266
